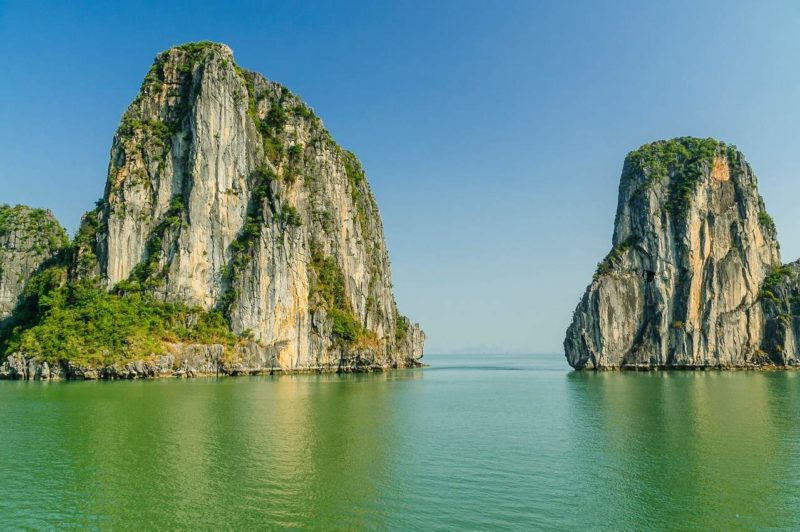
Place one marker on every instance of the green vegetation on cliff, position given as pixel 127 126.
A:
pixel 614 257
pixel 244 246
pixel 773 279
pixel 685 159
pixel 147 274
pixel 42 231
pixel 328 291
pixel 402 326
pixel 64 313
pixel 63 319
pixel 767 223
pixel 270 126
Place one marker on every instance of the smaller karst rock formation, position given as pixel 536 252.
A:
pixel 28 238
pixel 694 277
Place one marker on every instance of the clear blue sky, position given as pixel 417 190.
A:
pixel 493 133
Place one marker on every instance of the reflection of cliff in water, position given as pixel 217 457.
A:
pixel 673 436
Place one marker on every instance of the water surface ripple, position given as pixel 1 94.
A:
pixel 495 442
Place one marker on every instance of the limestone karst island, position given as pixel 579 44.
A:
pixel 212 312
pixel 234 236
pixel 694 279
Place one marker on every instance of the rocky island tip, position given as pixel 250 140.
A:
pixel 694 278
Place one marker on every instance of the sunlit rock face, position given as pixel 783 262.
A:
pixel 682 285
pixel 225 191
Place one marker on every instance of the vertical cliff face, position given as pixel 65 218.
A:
pixel 692 245
pixel 28 238
pixel 226 192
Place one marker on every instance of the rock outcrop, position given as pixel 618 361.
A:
pixel 28 238
pixel 182 360
pixel 682 285
pixel 226 194
pixel 780 299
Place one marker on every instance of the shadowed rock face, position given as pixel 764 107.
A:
pixel 28 237
pixel 692 246
pixel 780 299
pixel 225 191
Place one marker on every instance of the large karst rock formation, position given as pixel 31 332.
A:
pixel 225 192
pixel 694 278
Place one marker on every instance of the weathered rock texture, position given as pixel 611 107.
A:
pixel 28 238
pixel 682 286
pixel 182 360
pixel 225 191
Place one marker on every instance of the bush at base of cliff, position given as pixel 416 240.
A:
pixel 85 324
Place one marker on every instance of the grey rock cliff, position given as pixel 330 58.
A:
pixel 28 237
pixel 225 191
pixel 681 286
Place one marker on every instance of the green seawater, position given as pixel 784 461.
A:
pixel 472 442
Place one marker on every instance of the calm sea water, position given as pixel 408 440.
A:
pixel 471 442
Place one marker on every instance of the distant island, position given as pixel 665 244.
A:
pixel 234 236
pixel 694 279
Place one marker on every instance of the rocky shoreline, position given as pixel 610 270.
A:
pixel 721 367
pixel 188 362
